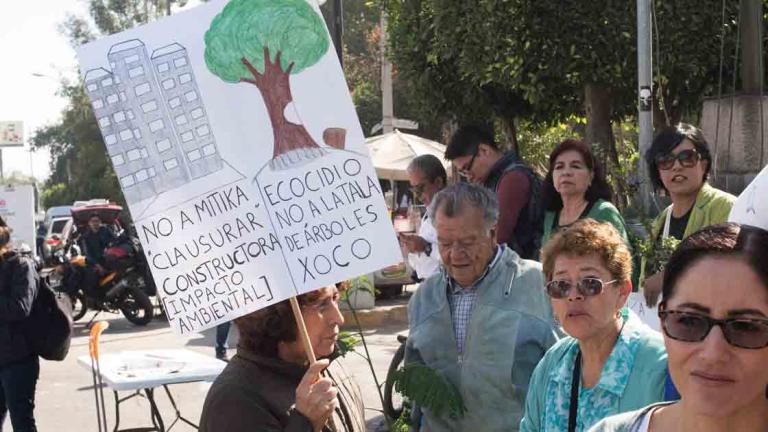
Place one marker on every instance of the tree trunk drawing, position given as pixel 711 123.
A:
pixel 275 88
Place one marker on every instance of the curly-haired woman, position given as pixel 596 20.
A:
pixel 269 384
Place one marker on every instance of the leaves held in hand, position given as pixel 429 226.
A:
pixel 429 389
pixel 658 253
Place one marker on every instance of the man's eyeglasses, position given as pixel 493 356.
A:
pixel 466 170
pixel 687 158
pixel 749 333
pixel 587 287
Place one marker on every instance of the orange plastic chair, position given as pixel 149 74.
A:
pixel 98 390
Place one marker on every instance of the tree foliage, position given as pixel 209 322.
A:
pixel 246 27
pixel 534 59
pixel 427 58
pixel 362 69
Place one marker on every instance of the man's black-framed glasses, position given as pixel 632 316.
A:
pixel 466 170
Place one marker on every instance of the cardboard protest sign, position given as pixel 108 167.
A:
pixel 238 149
pixel 751 208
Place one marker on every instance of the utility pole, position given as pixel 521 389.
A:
pixel 751 28
pixel 387 105
pixel 645 98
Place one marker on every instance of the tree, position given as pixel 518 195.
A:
pixel 687 58
pixel 549 60
pixel 427 60
pixel 263 42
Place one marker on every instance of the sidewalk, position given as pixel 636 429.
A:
pixel 385 312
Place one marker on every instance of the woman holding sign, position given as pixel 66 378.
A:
pixel 270 385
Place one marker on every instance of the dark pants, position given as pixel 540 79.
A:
pixel 17 394
pixel 90 280
pixel 222 332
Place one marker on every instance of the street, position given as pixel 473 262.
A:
pixel 65 397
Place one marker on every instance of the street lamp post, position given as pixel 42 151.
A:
pixel 645 98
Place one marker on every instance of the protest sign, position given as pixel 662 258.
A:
pixel 751 208
pixel 238 149
pixel 647 314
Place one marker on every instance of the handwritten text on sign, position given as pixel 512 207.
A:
pixel 325 214
pixel 210 257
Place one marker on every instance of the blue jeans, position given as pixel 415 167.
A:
pixel 17 394
pixel 222 333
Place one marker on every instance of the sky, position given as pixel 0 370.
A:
pixel 30 43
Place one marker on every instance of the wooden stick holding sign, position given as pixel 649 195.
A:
pixel 302 330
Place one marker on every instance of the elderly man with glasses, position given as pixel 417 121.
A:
pixel 484 321
pixel 427 177
pixel 478 159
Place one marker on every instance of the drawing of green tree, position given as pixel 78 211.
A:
pixel 264 42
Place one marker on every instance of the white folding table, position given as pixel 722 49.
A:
pixel 146 370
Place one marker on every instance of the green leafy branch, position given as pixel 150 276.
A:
pixel 347 342
pixel 430 389
pixel 657 253
pixel 363 283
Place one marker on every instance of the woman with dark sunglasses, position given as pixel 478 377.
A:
pixel 714 315
pixel 679 163
pixel 612 362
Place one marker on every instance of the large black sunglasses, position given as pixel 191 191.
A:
pixel 749 333
pixel 587 287
pixel 687 158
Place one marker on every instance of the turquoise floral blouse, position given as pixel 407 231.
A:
pixel 632 378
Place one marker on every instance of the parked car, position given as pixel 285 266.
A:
pixel 56 212
pixel 56 236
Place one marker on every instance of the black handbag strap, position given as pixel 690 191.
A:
pixel 574 406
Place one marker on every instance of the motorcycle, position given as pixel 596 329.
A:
pixel 122 288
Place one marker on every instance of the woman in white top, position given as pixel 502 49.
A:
pixel 714 314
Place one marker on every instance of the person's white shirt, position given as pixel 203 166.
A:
pixel 426 265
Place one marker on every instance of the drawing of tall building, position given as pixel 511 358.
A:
pixel 177 82
pixel 157 135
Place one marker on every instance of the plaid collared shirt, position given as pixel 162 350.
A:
pixel 462 301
